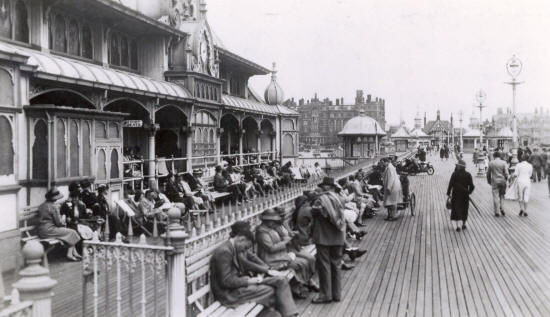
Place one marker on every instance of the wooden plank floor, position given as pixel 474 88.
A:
pixel 420 266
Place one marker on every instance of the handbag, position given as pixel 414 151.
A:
pixel 448 204
pixel 512 191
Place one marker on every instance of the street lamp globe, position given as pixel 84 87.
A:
pixel 514 67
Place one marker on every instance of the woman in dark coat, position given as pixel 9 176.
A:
pixel 460 188
pixel 51 226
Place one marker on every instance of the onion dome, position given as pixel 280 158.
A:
pixel 274 94
pixel 362 125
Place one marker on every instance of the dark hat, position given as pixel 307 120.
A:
pixel 53 194
pixel 85 183
pixel 327 181
pixel 241 228
pixel 101 188
pixel 461 163
pixel 74 187
pixel 197 171
pixel 270 214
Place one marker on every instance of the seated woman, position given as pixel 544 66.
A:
pixel 104 211
pixel 273 250
pixel 221 184
pixel 148 209
pixel 247 188
pixel 192 200
pixel 77 217
pixel 51 226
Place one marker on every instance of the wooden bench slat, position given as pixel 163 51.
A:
pixel 198 273
pixel 255 311
pixel 197 265
pixel 198 256
pixel 220 311
pixel 198 294
pixel 243 309
pixel 210 309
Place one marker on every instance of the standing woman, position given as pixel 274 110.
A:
pixel 459 190
pixel 523 172
pixel 51 226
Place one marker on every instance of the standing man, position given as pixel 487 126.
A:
pixel 544 160
pixel 393 194
pixel 536 161
pixel 497 175
pixel 329 236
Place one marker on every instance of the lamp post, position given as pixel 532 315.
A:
pixel 460 113
pixel 514 67
pixel 480 97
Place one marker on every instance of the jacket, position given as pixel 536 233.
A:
pixel 220 183
pixel 497 173
pixel 226 274
pixel 324 232
pixel 271 248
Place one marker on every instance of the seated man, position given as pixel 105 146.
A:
pixel 222 185
pixel 273 250
pixel 231 285
pixel 149 208
pixel 75 214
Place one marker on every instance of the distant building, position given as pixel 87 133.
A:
pixel 440 131
pixel 321 120
pixel 533 128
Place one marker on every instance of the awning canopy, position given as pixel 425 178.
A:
pixel 254 106
pixel 58 68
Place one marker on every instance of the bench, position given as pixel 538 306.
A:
pixel 28 218
pixel 201 302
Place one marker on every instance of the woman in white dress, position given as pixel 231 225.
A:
pixel 523 173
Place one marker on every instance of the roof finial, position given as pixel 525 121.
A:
pixel 274 72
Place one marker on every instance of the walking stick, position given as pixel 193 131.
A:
pixel 474 205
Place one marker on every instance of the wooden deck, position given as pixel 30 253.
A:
pixel 416 266
pixel 420 266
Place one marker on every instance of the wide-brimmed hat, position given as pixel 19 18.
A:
pixel 85 183
pixel 461 163
pixel 53 194
pixel 328 181
pixel 102 188
pixel 74 187
pixel 197 171
pixel 270 214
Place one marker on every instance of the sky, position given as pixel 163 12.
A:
pixel 419 55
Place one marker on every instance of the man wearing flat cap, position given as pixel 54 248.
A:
pixel 230 279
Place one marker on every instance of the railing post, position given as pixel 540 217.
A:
pixel 177 280
pixel 35 283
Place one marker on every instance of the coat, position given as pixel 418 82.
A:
pixel 393 193
pixel 324 232
pixel 220 183
pixel 50 225
pixel 271 249
pixel 460 187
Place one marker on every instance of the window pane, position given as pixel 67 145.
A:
pixel 86 150
pixel 124 51
pixel 5 21
pixel 87 49
pixel 6 89
pixel 21 22
pixel 6 147
pixel 60 41
pixel 61 150
pixel 73 40
pixel 134 54
pixel 113 130
pixel 74 150
pixel 40 151
pixel 114 164
pixel 113 50
pixel 101 172
pixel 100 132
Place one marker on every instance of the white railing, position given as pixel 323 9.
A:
pixel 133 279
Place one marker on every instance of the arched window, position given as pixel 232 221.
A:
pixel 74 148
pixel 205 140
pixel 114 50
pixel 101 171
pixel 61 149
pixel 40 151
pixel 100 132
pixel 5 18
pixel 86 149
pixel 133 54
pixel 87 48
pixel 124 52
pixel 59 34
pixel 73 40
pixel 21 24
pixel 6 94
pixel 6 147
pixel 114 164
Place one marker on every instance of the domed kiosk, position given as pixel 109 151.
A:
pixel 361 136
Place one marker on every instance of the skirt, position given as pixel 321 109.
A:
pixel 524 191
